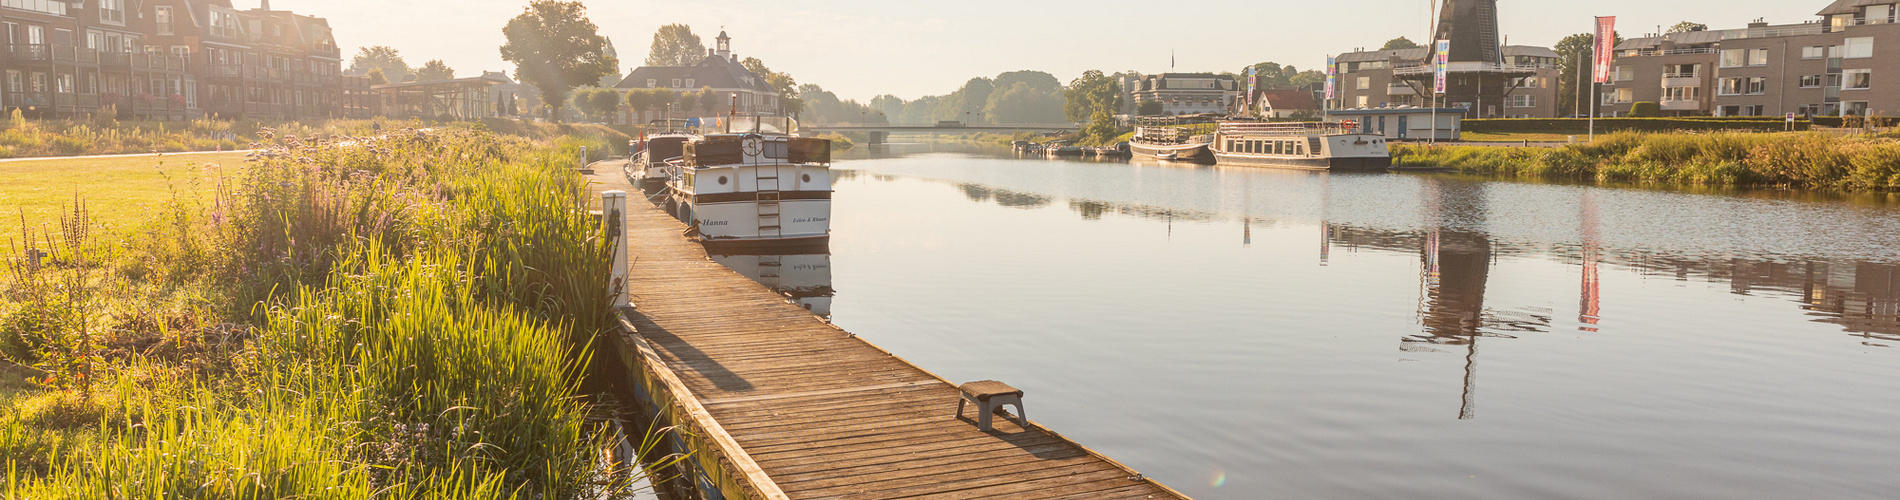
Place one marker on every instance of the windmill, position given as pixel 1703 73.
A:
pixel 1479 77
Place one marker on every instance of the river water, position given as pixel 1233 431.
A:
pixel 1242 333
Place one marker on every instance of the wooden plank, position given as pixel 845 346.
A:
pixel 817 411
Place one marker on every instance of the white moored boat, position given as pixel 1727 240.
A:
pixel 1301 145
pixel 1171 140
pixel 648 166
pixel 762 188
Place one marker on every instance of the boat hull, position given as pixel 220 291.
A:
pixel 1333 164
pixel 1192 153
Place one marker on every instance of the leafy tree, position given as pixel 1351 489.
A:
pixel 1101 128
pixel 783 83
pixel 1399 44
pixel 641 100
pixel 1148 108
pixel 379 57
pixel 1091 92
pixel 1023 102
pixel 1579 53
pixel 676 45
pixel 708 99
pixel 435 70
pixel 1686 26
pixel 1309 80
pixel 826 107
pixel 376 77
pixel 555 48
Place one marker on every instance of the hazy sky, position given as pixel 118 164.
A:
pixel 863 48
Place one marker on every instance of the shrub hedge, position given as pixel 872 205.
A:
pixel 1610 125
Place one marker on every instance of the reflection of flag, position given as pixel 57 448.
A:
pixel 1606 47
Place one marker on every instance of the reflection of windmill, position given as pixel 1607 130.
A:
pixel 1456 268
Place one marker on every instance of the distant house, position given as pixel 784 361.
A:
pixel 1182 93
pixel 720 71
pixel 1284 103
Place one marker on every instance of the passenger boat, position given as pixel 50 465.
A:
pixel 762 187
pixel 1171 142
pixel 1302 145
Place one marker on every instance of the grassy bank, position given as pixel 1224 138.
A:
pixel 402 316
pixel 23 138
pixel 1793 160
pixel 124 188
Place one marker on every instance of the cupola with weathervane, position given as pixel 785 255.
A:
pixel 725 45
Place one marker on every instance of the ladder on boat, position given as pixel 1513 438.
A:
pixel 768 202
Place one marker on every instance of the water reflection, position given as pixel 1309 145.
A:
pixel 804 279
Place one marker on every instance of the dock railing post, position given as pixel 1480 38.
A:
pixel 613 209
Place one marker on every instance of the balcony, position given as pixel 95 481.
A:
pixel 1400 90
pixel 1682 105
pixel 1669 52
pixel 1468 67
pixel 29 99
pixel 1671 81
pixel 1831 94
pixel 224 71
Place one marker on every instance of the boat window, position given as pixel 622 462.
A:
pixel 775 149
pixel 1279 147
pixel 722 180
pixel 806 178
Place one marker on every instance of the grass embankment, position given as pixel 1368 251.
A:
pixel 1794 160
pixel 124 189
pixel 23 138
pixel 403 317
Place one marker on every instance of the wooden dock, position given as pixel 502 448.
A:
pixel 781 404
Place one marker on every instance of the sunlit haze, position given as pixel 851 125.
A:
pixel 861 48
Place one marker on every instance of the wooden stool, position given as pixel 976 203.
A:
pixel 988 395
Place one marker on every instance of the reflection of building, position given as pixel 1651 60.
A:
pixel 803 279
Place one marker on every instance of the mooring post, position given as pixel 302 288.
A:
pixel 613 207
pixel 583 158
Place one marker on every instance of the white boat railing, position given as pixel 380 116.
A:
pixel 1283 128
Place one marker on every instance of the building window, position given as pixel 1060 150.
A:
pixel 1363 101
pixel 1730 86
pixel 1815 52
pixel 1857 79
pixel 16 82
pixel 689 83
pixel 112 11
pixel 1860 48
pixel 1854 108
pixel 1679 94
pixel 676 83
pixel 163 16
pixel 1757 85
pixel 54 7
pixel 1758 57
pixel 1625 96
pixel 1734 58
pixel 1523 101
pixel 1625 73
pixel 1812 81
pixel 1365 83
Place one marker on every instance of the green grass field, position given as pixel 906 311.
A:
pixel 122 192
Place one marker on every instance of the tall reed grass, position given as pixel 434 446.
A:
pixel 1802 160
pixel 420 306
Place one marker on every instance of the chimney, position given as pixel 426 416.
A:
pixel 265 6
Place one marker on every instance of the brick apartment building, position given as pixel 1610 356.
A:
pixel 1817 68
pixel 173 59
pixel 1367 79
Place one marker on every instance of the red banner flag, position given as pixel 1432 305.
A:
pixel 1606 47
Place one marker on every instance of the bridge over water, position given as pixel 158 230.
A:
pixel 881 133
